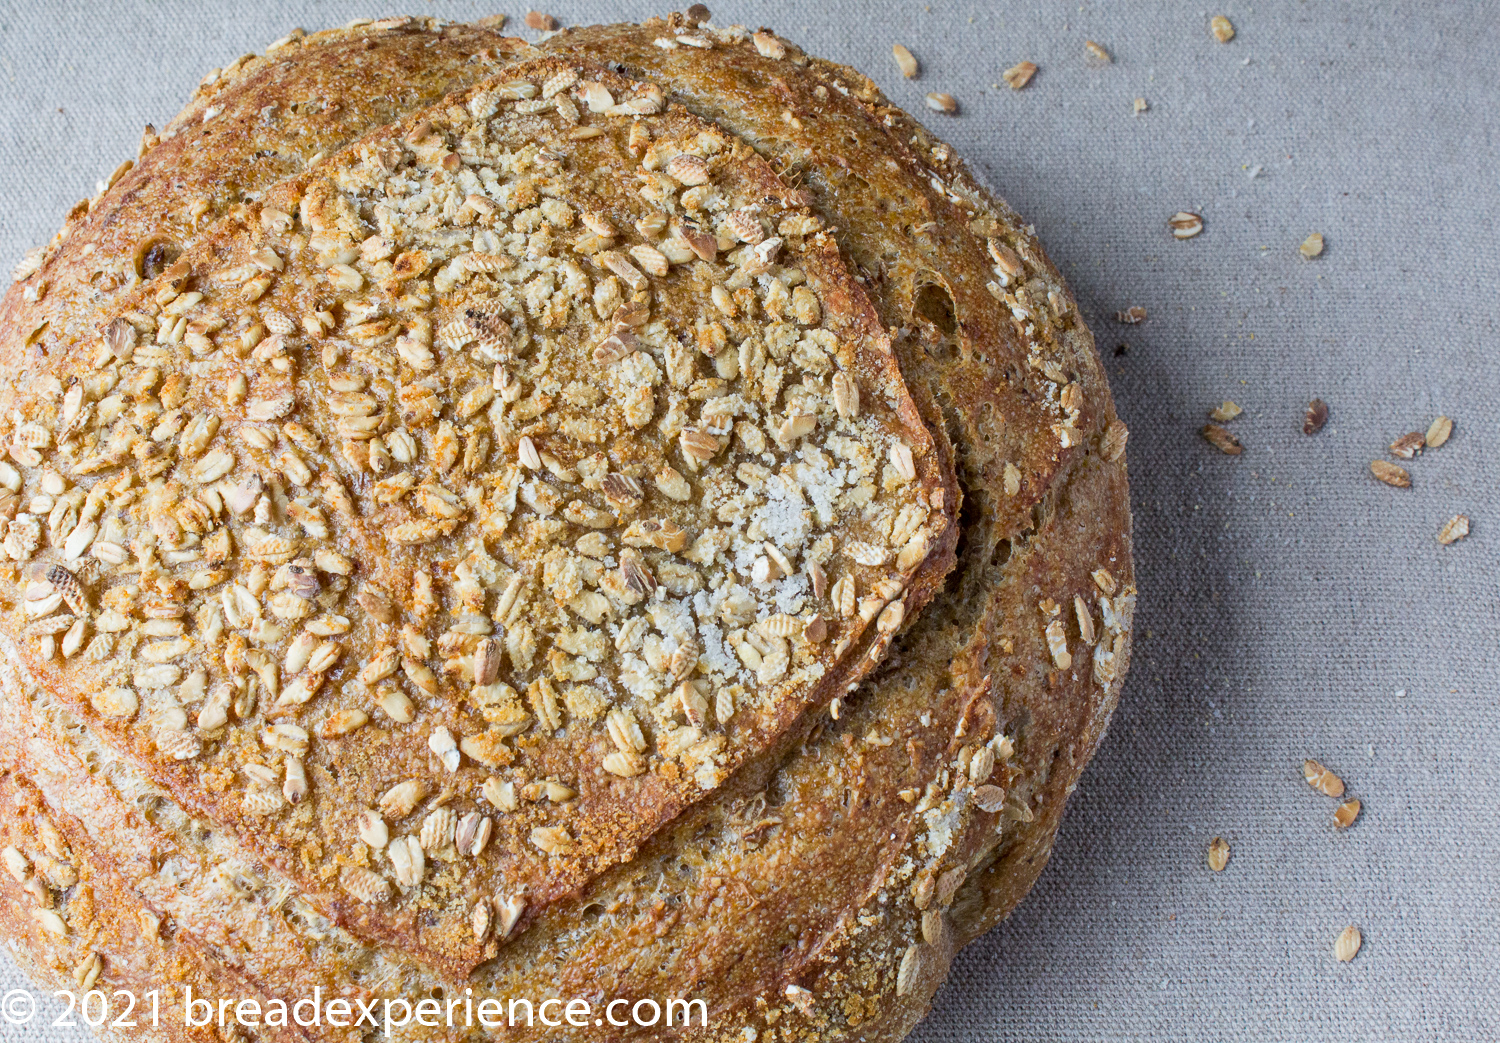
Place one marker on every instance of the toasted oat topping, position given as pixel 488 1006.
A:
pixel 1184 224
pixel 1454 529
pixel 1321 779
pixel 1346 945
pixel 939 102
pixel 905 61
pixel 1218 854
pixel 532 465
pixel 1222 439
pixel 1345 814
pixel 1019 75
pixel 1225 412
pixel 1312 246
pixel 1439 431
pixel 1390 474
pixel 1315 417
pixel 1221 27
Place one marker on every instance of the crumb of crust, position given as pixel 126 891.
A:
pixel 1222 28
pixel 1185 224
pixel 1222 439
pixel 1321 779
pixel 940 102
pixel 905 61
pixel 1315 417
pixel 1312 246
pixel 1019 75
pixel 544 23
pixel 1097 53
pixel 1218 854
pixel 1454 529
pixel 1438 432
pixel 1390 474
pixel 1346 946
pixel 1131 315
pixel 1225 412
pixel 1345 814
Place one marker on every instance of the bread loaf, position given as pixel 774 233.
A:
pixel 628 517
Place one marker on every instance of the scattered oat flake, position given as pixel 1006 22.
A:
pixel 1408 445
pixel 1225 412
pixel 1438 432
pixel 1390 474
pixel 1321 779
pixel 1455 529
pixel 541 22
pixel 1222 28
pixel 1131 315
pixel 1311 246
pixel 1097 52
pixel 905 61
pixel 1317 416
pixel 1346 813
pixel 1184 224
pixel 1018 76
pixel 1218 854
pixel 1348 943
pixel 938 102
pixel 1221 439
pixel 1139 106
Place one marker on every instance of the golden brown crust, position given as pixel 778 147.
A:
pixel 957 753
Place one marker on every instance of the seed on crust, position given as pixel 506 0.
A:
pixel 1222 439
pixel 1112 445
pixel 1454 529
pixel 1321 779
pixel 1316 417
pixel 1390 474
pixel 1218 854
pixel 768 46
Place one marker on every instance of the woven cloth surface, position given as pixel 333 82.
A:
pixel 1291 606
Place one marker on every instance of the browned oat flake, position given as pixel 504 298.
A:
pixel 1018 76
pixel 1408 445
pixel 1390 474
pixel 1439 431
pixel 1454 529
pixel 1218 854
pixel 1316 417
pixel 1185 224
pixel 1345 814
pixel 1222 439
pixel 905 61
pixel 1321 779
pixel 1346 946
pixel 939 102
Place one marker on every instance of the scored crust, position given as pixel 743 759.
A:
pixel 820 890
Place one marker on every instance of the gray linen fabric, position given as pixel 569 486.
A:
pixel 1290 605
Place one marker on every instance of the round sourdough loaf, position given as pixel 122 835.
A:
pixel 624 518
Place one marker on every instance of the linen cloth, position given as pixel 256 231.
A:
pixel 1290 606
